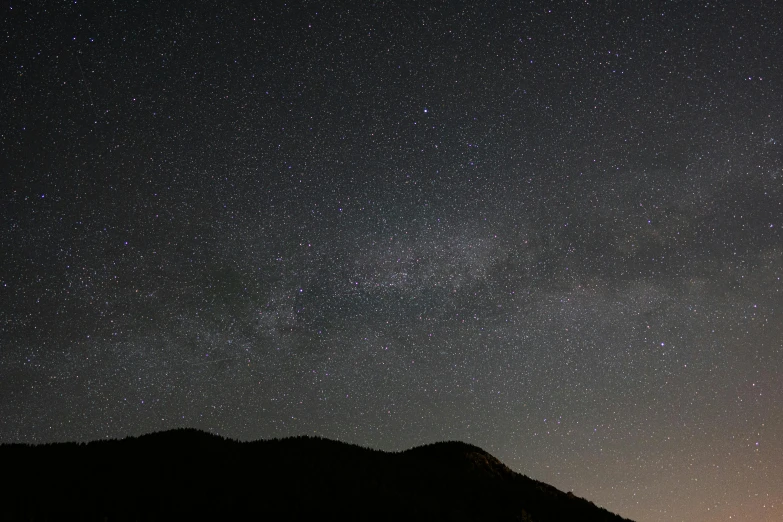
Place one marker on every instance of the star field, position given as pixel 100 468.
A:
pixel 552 230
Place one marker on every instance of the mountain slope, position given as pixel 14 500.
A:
pixel 189 475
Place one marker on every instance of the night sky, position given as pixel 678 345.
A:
pixel 552 230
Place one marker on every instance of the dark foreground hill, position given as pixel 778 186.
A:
pixel 192 475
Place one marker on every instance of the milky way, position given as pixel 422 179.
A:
pixel 550 231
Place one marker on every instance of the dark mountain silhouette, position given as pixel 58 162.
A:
pixel 192 475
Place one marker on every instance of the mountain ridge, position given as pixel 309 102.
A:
pixel 188 474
